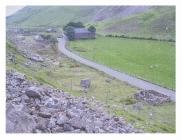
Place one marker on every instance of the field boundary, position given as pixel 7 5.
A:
pixel 141 38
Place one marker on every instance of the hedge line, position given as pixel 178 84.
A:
pixel 143 38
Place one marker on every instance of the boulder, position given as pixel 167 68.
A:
pixel 85 83
pixel 71 114
pixel 42 124
pixel 61 119
pixel 67 127
pixel 77 123
pixel 18 121
pixel 36 58
pixel 18 76
pixel 44 114
pixel 25 98
pixel 33 92
pixel 51 102
pixel 52 123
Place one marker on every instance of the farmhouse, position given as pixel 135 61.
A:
pixel 82 33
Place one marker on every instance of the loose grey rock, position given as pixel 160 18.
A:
pixel 61 119
pixel 25 98
pixel 18 121
pixel 31 56
pixel 19 76
pixel 77 123
pixel 51 102
pixel 71 114
pixel 33 92
pixel 152 97
pixel 67 127
pixel 44 114
pixel 52 123
pixel 56 112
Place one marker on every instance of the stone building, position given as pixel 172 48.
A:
pixel 83 33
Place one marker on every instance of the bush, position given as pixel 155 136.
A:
pixel 69 31
pixel 134 37
pixel 74 24
pixel 92 29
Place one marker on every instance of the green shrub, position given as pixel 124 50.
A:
pixel 92 29
pixel 69 31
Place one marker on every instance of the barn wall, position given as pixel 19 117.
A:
pixel 84 35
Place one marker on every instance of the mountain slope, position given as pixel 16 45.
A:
pixel 157 22
pixel 150 21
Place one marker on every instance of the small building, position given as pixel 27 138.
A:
pixel 83 33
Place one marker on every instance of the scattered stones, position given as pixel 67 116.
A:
pixel 85 83
pixel 27 64
pixel 152 97
pixel 56 112
pixel 31 56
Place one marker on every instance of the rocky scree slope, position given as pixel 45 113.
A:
pixel 34 108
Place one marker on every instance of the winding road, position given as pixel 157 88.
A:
pixel 118 75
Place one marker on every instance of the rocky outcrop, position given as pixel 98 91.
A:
pixel 33 108
pixel 152 97
pixel 31 56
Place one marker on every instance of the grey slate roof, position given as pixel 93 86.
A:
pixel 81 30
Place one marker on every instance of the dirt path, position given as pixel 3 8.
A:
pixel 119 75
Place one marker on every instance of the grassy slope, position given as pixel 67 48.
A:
pixel 150 60
pixel 51 16
pixel 151 23
pixel 117 95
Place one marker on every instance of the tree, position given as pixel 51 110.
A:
pixel 69 31
pixel 92 29
pixel 74 24
pixel 80 25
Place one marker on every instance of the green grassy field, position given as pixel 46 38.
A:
pixel 153 61
pixel 116 96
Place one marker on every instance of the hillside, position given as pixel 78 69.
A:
pixel 144 21
pixel 107 94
